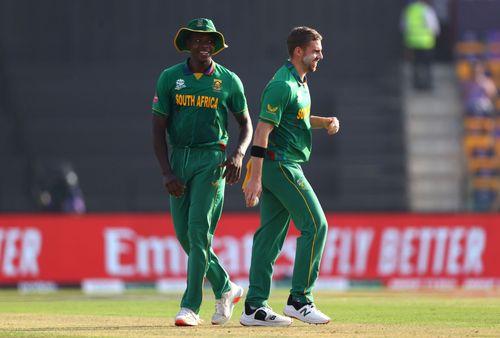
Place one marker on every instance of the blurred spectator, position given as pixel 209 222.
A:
pixel 444 46
pixel 58 189
pixel 420 26
pixel 479 92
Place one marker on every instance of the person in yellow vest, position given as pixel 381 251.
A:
pixel 420 26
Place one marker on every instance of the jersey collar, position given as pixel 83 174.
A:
pixel 292 70
pixel 209 71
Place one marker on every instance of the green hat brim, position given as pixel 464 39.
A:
pixel 183 33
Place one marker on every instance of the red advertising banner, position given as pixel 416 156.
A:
pixel 401 250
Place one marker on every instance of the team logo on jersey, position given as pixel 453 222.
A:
pixel 301 183
pixel 271 109
pixel 179 84
pixel 217 85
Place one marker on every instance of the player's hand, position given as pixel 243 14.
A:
pixel 252 191
pixel 173 185
pixel 232 165
pixel 334 126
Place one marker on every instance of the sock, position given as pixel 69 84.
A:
pixel 249 309
pixel 296 303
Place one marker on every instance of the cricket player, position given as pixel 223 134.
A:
pixel 191 106
pixel 282 141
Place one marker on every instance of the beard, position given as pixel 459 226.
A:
pixel 308 61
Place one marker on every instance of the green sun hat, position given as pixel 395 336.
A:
pixel 201 25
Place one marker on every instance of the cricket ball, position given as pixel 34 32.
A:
pixel 255 201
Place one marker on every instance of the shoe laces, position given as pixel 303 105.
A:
pixel 271 314
pixel 315 309
pixel 270 310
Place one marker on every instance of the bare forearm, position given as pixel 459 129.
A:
pixel 331 124
pixel 160 145
pixel 262 131
pixel 318 122
pixel 253 188
pixel 171 182
pixel 261 139
pixel 245 136
pixel 161 152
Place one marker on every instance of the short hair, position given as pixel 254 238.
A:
pixel 301 37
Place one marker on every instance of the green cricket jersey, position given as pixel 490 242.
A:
pixel 196 105
pixel 286 103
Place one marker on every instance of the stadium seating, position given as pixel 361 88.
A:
pixel 481 127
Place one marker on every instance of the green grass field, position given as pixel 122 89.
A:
pixel 143 313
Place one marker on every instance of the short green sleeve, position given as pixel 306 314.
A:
pixel 237 101
pixel 275 98
pixel 161 100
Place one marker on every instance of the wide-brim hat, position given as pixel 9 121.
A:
pixel 201 25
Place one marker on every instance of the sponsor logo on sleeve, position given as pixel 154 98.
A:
pixel 271 109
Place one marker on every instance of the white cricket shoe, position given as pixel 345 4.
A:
pixel 225 305
pixel 187 317
pixel 264 316
pixel 307 313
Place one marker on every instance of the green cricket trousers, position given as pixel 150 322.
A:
pixel 195 215
pixel 286 194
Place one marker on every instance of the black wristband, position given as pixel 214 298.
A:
pixel 257 151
